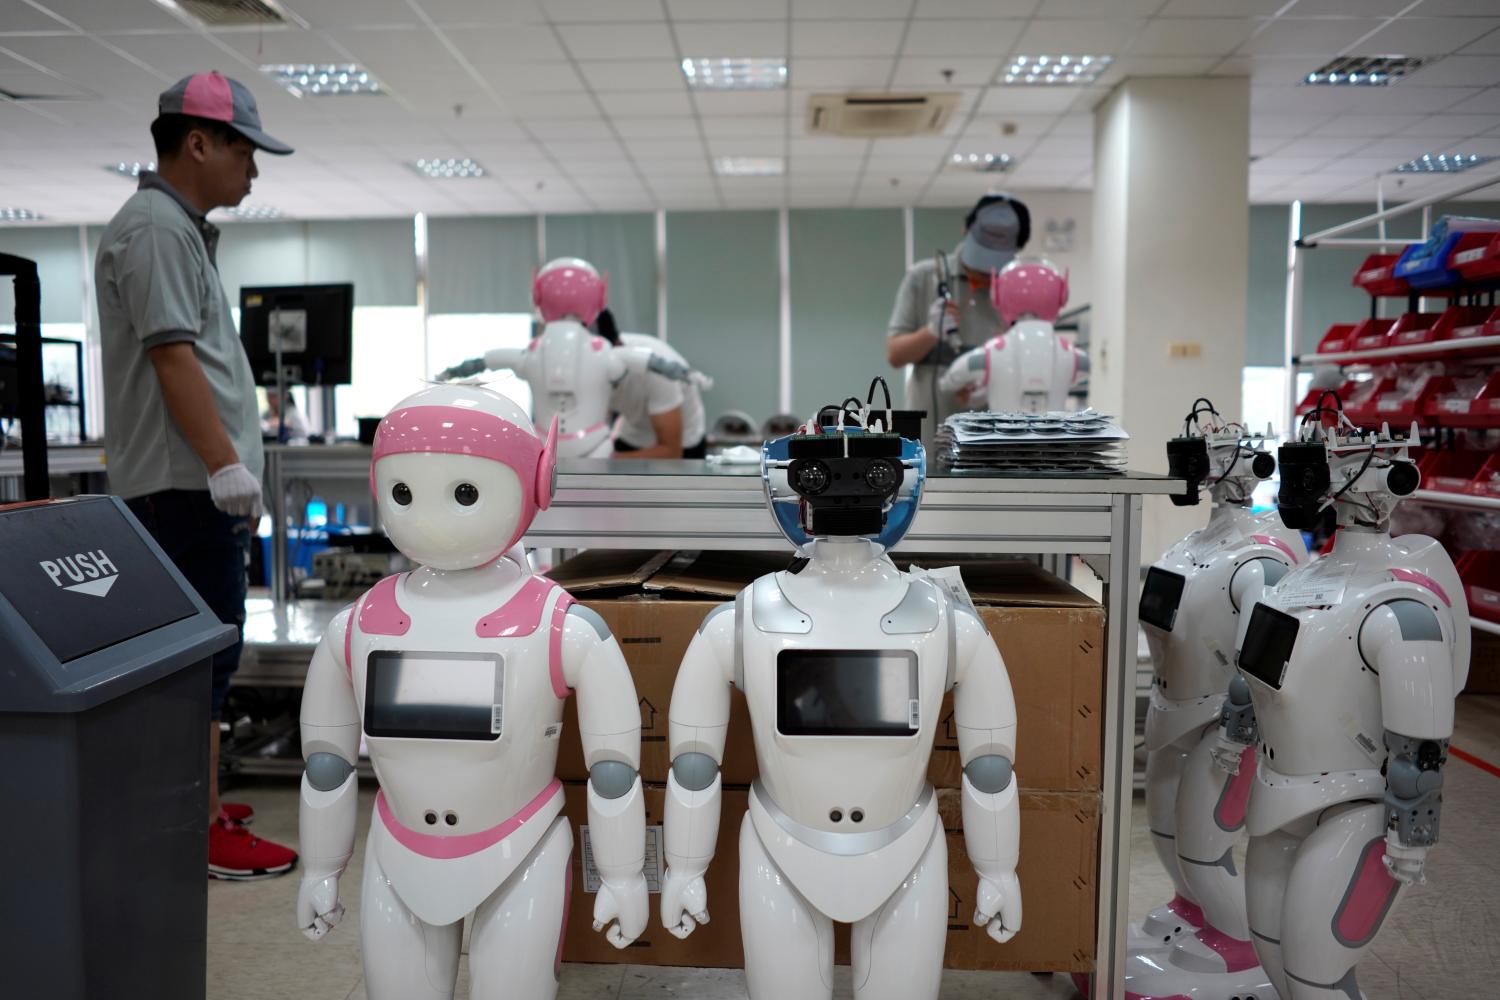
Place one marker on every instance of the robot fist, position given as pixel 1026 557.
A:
pixel 318 908
pixel 626 905
pixel 1226 753
pixel 1406 864
pixel 700 380
pixel 684 903
pixel 998 908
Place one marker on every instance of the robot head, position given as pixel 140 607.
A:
pixel 1362 475
pixel 568 287
pixel 458 475
pixel 842 474
pixel 1219 455
pixel 1029 288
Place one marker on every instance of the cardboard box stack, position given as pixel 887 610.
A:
pixel 1052 639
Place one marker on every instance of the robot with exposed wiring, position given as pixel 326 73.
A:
pixel 570 370
pixel 456 673
pixel 1027 367
pixel 1197 945
pixel 1349 667
pixel 844 663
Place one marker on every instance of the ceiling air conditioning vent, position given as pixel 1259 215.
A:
pixel 219 13
pixel 879 115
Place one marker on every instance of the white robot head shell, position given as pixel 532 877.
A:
pixel 1212 451
pixel 569 287
pixel 1363 475
pixel 1032 287
pixel 458 474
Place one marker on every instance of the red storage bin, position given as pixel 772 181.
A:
pixel 1377 275
pixel 1408 400
pixel 1480 572
pixel 1336 339
pixel 1371 334
pixel 1454 404
pixel 1487 482
pixel 1462 322
pixel 1450 471
pixel 1415 328
pixel 1359 402
pixel 1313 395
pixel 1477 256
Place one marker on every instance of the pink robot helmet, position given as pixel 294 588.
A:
pixel 1029 288
pixel 471 420
pixel 567 287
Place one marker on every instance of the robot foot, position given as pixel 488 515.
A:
pixel 1163 926
pixel 1198 969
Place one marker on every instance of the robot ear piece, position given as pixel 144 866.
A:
pixel 546 469
pixel 536 285
pixel 1263 465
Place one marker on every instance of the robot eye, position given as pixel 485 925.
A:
pixel 401 493
pixel 466 494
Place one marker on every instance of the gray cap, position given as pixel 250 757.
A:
pixel 993 237
pixel 218 98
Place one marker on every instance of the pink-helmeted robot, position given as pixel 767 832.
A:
pixel 456 674
pixel 1026 367
pixel 571 371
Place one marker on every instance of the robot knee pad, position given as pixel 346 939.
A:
pixel 990 774
pixel 1414 788
pixel 694 771
pixel 612 779
pixel 327 771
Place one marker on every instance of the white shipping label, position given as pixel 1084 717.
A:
pixel 653 868
pixel 914 710
pixel 952 582
pixel 553 731
pixel 1357 736
pixel 497 715
pixel 1212 538
pixel 1321 584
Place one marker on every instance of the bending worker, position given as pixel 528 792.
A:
pixel 659 417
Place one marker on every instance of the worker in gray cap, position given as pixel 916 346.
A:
pixel 182 428
pixel 943 307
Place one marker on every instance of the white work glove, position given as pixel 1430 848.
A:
pixel 998 908
pixel 942 319
pixel 702 381
pixel 684 903
pixel 235 492
pixel 318 908
pixel 628 904
pixel 1406 864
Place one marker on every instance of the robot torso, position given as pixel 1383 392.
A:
pixel 1030 368
pixel 568 369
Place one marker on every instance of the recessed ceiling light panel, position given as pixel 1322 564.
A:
pixel 749 166
pixel 448 168
pixel 752 73
pixel 1364 71
pixel 1055 71
pixel 131 168
pixel 324 79
pixel 255 213
pixel 981 163
pixel 1443 163
pixel 19 215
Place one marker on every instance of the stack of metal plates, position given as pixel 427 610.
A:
pixel 1057 443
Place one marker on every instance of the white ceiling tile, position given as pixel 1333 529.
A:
pixel 715 39
pixel 1458 71
pixel 289 44
pixel 657 128
pixel 91 15
pixel 740 103
pixel 1077 37
pixel 765 145
pixel 665 148
pixel 1128 66
pixel 1289 164
pixel 846 38
pixel 1349 8
pixel 1028 100
pixel 749 125
pixel 1286 124
pixel 1321 145
pixel 1483 103
pixel 837 166
pixel 820 146
pixel 1430 35
pixel 1288 36
pixel 517 78
pixel 1191 36
pixel 1366 126
pixel 467 12
pixel 1488 45
pixel 602 10
pixel 1484 146
pixel 975 8
pixel 1399 148
pixel 485 46
pixel 612 74
pixel 612 41
pixel 725 10
pixel 348 13
pixel 624 105
pixel 1064 146
pixel 962 37
pixel 848 10
pixel 938 73
pixel 839 73
pixel 553 105
pixel 566 149
pixel 1446 124
pixel 677 169
pixel 569 128
pixel 1220 8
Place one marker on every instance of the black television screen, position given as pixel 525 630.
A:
pixel 312 324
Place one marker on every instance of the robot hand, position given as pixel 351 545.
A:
pixel 471 367
pixel 1226 752
pixel 626 903
pixel 684 903
pixel 318 908
pixel 701 381
pixel 1406 864
pixel 998 908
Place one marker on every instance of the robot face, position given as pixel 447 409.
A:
pixel 849 484
pixel 449 511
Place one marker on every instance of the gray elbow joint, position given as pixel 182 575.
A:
pixel 1414 788
pixel 327 771
pixel 612 779
pixel 695 771
pixel 990 774
pixel 1237 715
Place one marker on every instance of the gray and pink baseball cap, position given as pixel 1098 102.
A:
pixel 218 98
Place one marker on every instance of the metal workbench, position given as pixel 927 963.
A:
pixel 691 505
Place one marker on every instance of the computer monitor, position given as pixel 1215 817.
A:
pixel 312 324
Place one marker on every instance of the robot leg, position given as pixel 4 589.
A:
pixel 1337 898
pixel 897 951
pixel 1166 923
pixel 1268 866
pixel 788 944
pixel 515 948
pixel 404 958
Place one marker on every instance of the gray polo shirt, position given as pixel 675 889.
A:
pixel 977 322
pixel 157 281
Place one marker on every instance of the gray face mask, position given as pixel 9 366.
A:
pixel 992 241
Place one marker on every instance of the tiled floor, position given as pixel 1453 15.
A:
pixel 1442 944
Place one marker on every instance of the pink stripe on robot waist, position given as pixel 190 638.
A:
pixel 446 848
pixel 1276 543
pixel 1367 898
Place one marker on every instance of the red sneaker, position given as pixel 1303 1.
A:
pixel 235 853
pixel 237 812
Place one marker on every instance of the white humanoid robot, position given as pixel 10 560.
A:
pixel 1197 945
pixel 570 370
pixel 844 664
pixel 1349 668
pixel 456 673
pixel 1027 368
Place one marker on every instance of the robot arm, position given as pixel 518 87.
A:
pixel 500 357
pixel 699 721
pixel 637 360
pixel 330 788
pixel 609 726
pixel 969 371
pixel 1237 726
pixel 985 712
pixel 1081 368
pixel 1403 640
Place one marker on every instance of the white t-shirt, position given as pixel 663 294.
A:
pixel 640 397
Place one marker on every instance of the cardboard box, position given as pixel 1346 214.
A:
pixel 1051 636
pixel 1059 858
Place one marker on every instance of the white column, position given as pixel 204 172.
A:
pixel 1171 244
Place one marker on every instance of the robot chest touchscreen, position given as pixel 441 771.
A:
pixel 434 695
pixel 847 692
pixel 1269 640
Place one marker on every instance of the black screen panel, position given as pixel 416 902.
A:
pixel 441 696
pixel 1160 595
pixel 847 692
pixel 1268 644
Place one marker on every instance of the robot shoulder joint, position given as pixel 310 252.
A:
pixel 592 617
